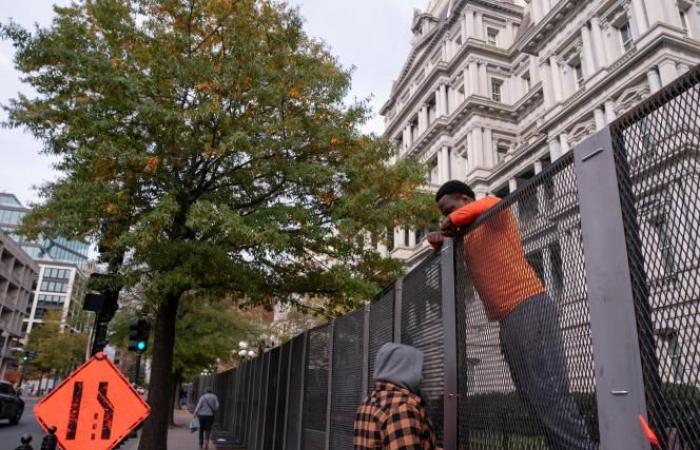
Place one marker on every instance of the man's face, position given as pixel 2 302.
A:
pixel 452 202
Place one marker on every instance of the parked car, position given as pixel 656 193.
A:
pixel 11 405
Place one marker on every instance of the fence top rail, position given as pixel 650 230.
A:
pixel 673 90
pixel 508 201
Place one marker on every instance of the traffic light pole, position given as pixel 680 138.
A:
pixel 138 368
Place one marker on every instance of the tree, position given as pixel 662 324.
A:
pixel 57 351
pixel 207 147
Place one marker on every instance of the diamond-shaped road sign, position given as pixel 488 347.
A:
pixel 94 408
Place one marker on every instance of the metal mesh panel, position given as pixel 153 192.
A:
pixel 346 391
pixel 656 149
pixel 296 386
pixel 316 388
pixel 255 442
pixel 526 374
pixel 381 326
pixel 282 389
pixel 421 327
pixel 271 404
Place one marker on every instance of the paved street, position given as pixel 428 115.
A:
pixel 9 434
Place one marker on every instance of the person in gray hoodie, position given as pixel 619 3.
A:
pixel 205 411
pixel 394 416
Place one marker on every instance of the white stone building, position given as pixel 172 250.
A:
pixel 494 91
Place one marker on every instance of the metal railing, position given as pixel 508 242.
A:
pixel 561 317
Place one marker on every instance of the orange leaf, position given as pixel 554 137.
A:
pixel 152 164
pixel 294 93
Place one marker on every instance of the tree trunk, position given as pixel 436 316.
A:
pixel 155 430
pixel 175 399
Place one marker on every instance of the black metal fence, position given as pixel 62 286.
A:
pixel 559 318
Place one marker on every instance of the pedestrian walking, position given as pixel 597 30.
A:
pixel 205 412
pixel 394 416
pixel 50 441
pixel 26 442
pixel 514 296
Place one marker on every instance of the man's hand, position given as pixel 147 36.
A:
pixel 447 228
pixel 435 239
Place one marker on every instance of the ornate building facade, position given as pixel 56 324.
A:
pixel 494 91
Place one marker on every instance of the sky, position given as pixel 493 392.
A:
pixel 373 36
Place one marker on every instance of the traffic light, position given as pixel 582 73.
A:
pixel 138 336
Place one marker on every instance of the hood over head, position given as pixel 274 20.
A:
pixel 399 364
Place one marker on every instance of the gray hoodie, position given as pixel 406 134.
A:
pixel 399 364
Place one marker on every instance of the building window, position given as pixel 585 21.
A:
pixel 578 72
pixel 501 152
pixel 557 266
pixel 684 22
pixel 389 239
pixel 665 244
pixel 527 83
pixel 406 236
pixel 626 36
pixel 420 235
pixel 496 86
pixel 492 36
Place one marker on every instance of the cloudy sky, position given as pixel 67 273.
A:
pixel 371 35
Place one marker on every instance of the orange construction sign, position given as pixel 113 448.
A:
pixel 93 409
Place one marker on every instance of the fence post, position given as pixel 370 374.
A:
pixel 619 379
pixel 287 405
pixel 449 322
pixel 365 351
pixel 329 399
pixel 398 302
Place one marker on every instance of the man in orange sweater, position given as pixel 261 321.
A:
pixel 515 297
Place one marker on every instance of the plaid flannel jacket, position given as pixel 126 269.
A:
pixel 393 418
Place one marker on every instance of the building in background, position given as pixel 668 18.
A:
pixel 18 273
pixel 494 91
pixel 64 269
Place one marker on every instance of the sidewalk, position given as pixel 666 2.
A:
pixel 179 437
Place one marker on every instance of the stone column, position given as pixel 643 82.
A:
pixel 547 85
pixel 599 116
pixel 536 10
pixel 444 164
pixel 411 238
pixel 471 27
pixel 639 15
pixel 538 167
pixel 609 111
pixel 654 80
pixel 556 79
pixel 489 159
pixel 512 185
pixel 423 115
pixel 478 147
pixel 473 78
pixel 408 139
pixel 534 70
pixel 438 102
pixel 465 82
pixel 471 153
pixel 554 149
pixel 479 26
pixel 668 71
pixel 564 143
pixel 655 11
pixel 599 51
pixel 513 33
pixel 483 80
pixel 671 13
pixel 589 66
pixel 398 238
